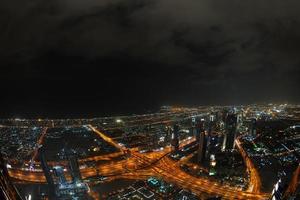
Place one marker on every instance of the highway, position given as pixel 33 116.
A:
pixel 255 182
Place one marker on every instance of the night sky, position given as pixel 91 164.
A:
pixel 86 58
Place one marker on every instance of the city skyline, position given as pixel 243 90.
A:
pixel 203 153
pixel 149 100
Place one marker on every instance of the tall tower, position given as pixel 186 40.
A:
pixel 61 189
pixel 193 126
pixel 253 127
pixel 202 142
pixel 230 131
pixel 175 138
pixel 47 173
pixel 74 166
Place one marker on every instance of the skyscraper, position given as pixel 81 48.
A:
pixel 175 138
pixel 47 173
pixel 63 189
pixel 193 126
pixel 202 141
pixel 73 165
pixel 253 127
pixel 230 131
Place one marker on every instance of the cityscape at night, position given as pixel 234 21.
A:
pixel 149 100
pixel 207 152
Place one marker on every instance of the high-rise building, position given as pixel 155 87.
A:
pixel 73 165
pixel 175 138
pixel 47 173
pixel 193 126
pixel 209 128
pixel 253 127
pixel 7 190
pixel 212 118
pixel 230 131
pixel 202 141
pixel 61 189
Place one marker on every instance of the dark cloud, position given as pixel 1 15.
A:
pixel 188 52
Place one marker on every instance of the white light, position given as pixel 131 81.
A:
pixel 118 120
pixel 213 163
pixel 276 186
pixel 29 197
pixel 8 166
pixel 78 184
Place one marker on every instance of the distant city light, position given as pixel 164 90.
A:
pixel 119 121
